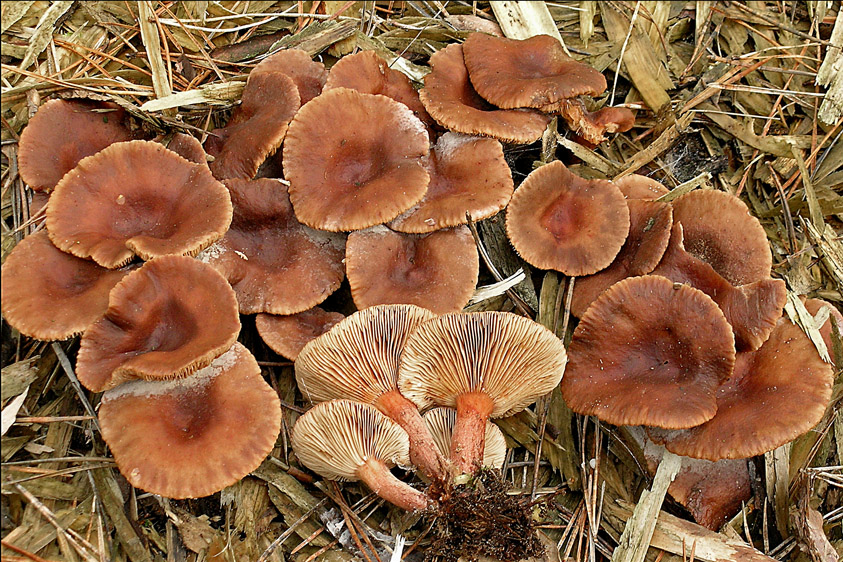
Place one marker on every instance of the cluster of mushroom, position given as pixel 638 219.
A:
pixel 373 373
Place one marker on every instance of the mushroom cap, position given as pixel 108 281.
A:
pixel 369 73
pixel 592 126
pixel 636 186
pixel 335 438
pixel 345 154
pixel 274 263
pixel 647 352
pixel 358 358
pixel 650 224
pixel 814 306
pixel 451 100
pixel 165 320
pixel 256 128
pixel 308 75
pixel 61 134
pixel 185 438
pixel 441 421
pixel 467 175
pixel 510 358
pixel 437 271
pixel 532 72
pixel 776 394
pixel 719 230
pixel 137 198
pixel 51 295
pixel 287 335
pixel 189 148
pixel 558 220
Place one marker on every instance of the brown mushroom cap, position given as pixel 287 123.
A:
pixel 165 320
pixel 558 220
pixel 51 295
pixel 467 175
pixel 61 134
pixel 345 154
pixel 776 394
pixel 592 126
pixel 369 73
pixel 719 230
pixel 437 271
pixel 189 148
pixel 532 72
pixel 441 422
pixel 451 100
pixel 814 306
pixel 308 75
pixel 185 438
pixel 256 128
pixel 287 335
pixel 647 352
pixel 345 440
pixel 650 224
pixel 136 198
pixel 275 263
pixel 635 186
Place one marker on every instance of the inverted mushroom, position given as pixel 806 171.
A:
pixel 287 335
pixel 165 320
pixel 136 198
pixel 308 75
pixel 345 154
pixel 184 438
pixel 437 271
pixel 558 220
pixel 647 352
pixel 51 295
pixel 485 364
pixel 441 423
pixel 345 440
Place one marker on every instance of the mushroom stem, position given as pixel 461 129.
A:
pixel 469 439
pixel 424 453
pixel 375 474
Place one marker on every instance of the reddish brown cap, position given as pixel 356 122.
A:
pixel 635 186
pixel 137 198
pixel 776 394
pixel 649 232
pixel 814 306
pixel 440 422
pixel 50 295
pixel 592 126
pixel 467 175
pixel 719 230
pixel 368 73
pixel 647 352
pixel 185 438
pixel 437 271
pixel 64 132
pixel 532 72
pixel 189 148
pixel 287 335
pixel 451 100
pixel 256 128
pixel 344 156
pixel 275 263
pixel 308 75
pixel 558 220
pixel 165 320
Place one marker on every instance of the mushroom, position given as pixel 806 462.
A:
pixel 558 220
pixel 451 100
pixel 51 295
pixel 775 394
pixel 308 75
pixel 648 352
pixel 485 364
pixel 437 271
pixel 468 175
pixel 635 186
pixel 345 440
pixel 345 152
pixel 189 148
pixel 136 198
pixel 274 263
pixel 185 438
pixel 64 132
pixel 287 335
pixel 358 359
pixel 441 421
pixel 165 320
